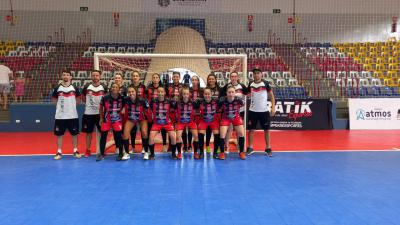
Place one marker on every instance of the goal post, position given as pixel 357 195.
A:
pixel 199 64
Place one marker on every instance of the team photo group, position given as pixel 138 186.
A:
pixel 187 116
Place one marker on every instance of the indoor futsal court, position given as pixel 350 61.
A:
pixel 280 112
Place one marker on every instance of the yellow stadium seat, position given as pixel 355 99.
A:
pixel 373 49
pixel 396 53
pixel 352 49
pixel 357 60
pixel 388 82
pixel 392 74
pixel 380 60
pixel 363 48
pixel 19 43
pixel 368 60
pixel 2 47
pixel 384 48
pixel 361 54
pixel 380 66
pixel 393 60
pixel 9 43
pixel 395 48
pixel 10 48
pixel 351 54
pixel 2 53
pixel 367 66
pixel 393 66
pixel 341 49
pixel 373 54
pixel 385 54
pixel 378 74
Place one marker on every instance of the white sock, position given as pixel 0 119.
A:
pixel 75 149
pixel 59 150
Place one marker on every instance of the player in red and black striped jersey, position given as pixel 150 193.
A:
pixel 161 113
pixel 195 93
pixel 230 114
pixel 135 112
pixel 141 93
pixel 185 118
pixel 110 109
pixel 174 89
pixel 209 119
pixel 153 94
pixel 215 94
pixel 240 92
pixel 139 87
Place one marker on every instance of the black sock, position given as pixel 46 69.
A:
pixel 151 149
pixel 216 142
pixel 208 136
pixel 118 142
pixel 125 142
pixel 145 144
pixel 196 146
pixel 178 147
pixel 103 140
pixel 201 142
pixel 133 137
pixel 241 144
pixel 173 148
pixel 164 136
pixel 222 144
pixel 184 139
pixel 190 137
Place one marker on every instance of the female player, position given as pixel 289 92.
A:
pixel 215 94
pixel 185 114
pixel 152 94
pixel 141 93
pixel 230 114
pixel 195 93
pixel 135 112
pixel 160 109
pixel 110 117
pixel 208 108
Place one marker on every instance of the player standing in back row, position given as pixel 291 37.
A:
pixel 67 97
pixel 258 112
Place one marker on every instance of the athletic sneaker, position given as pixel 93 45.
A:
pixel 215 155
pixel 201 154
pixel 143 151
pixel 126 156
pixel 119 157
pixel 173 156
pixel 152 157
pixel 179 156
pixel 189 149
pixel 185 149
pixel 226 150
pixel 99 157
pixel 250 151
pixel 132 151
pixel 268 151
pixel 208 149
pixel 88 153
pixel 58 156
pixel 77 155
pixel 146 156
pixel 221 156
pixel 242 155
pixel 196 155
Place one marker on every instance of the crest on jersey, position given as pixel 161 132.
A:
pixel 164 3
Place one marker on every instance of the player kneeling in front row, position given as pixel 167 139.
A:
pixel 160 109
pixel 208 109
pixel 185 114
pixel 111 106
pixel 135 112
pixel 230 114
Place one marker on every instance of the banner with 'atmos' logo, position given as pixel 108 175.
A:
pixel 302 114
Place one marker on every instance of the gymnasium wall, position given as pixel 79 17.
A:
pixel 226 20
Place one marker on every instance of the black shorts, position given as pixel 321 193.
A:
pixel 89 122
pixel 262 117
pixel 60 126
